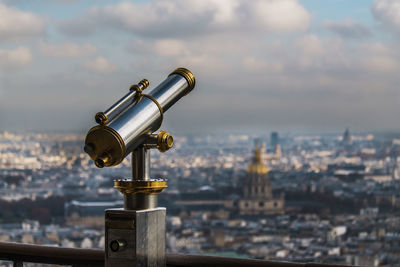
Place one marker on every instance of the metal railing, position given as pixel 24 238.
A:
pixel 20 253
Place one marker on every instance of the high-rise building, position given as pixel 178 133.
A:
pixel 274 140
pixel 275 145
pixel 257 191
pixel 347 140
pixel 278 152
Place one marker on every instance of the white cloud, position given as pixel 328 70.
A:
pixel 387 11
pixel 182 17
pixel 100 64
pixel 310 44
pixel 280 15
pixel 66 50
pixel 16 24
pixel 252 64
pixel 298 79
pixel 376 48
pixel 348 29
pixel 225 11
pixel 379 57
pixel 18 57
pixel 170 47
pixel 382 64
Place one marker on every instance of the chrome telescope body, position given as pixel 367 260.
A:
pixel 129 122
pixel 116 109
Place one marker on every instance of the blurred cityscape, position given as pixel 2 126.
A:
pixel 331 198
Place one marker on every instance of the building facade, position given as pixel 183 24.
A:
pixel 257 192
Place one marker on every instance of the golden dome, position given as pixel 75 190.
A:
pixel 257 166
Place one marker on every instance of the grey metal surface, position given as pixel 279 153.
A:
pixel 170 91
pixel 144 117
pixel 140 171
pixel 135 121
pixel 144 234
pixel 150 231
pixel 123 103
pixel 141 164
pixel 140 201
pixel 120 105
pixel 125 235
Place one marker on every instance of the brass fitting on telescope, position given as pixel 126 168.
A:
pixel 101 118
pixel 143 84
pixel 108 140
pixel 149 187
pixel 104 146
pixel 188 75
pixel 165 141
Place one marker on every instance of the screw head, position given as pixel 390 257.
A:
pixel 117 245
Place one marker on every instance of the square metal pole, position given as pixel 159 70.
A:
pixel 135 238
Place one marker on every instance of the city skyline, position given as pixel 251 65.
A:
pixel 275 65
pixel 340 193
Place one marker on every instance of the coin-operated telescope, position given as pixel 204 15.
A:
pixel 135 235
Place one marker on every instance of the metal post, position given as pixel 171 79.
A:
pixel 135 235
pixel 141 164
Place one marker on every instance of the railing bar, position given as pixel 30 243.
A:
pixel 181 260
pixel 19 253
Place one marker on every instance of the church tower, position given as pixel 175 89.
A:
pixel 257 193
pixel 347 140
pixel 257 183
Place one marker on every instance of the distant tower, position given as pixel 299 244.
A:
pixel 257 192
pixel 278 152
pixel 347 138
pixel 257 184
pixel 274 139
pixel 275 144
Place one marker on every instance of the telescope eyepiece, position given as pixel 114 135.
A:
pixel 101 118
pixel 99 162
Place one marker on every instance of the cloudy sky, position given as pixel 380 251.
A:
pixel 288 65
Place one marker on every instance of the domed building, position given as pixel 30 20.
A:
pixel 257 193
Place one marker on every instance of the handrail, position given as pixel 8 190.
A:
pixel 180 260
pixel 19 253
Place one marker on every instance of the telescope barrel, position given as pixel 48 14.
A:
pixel 109 144
pixel 111 113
